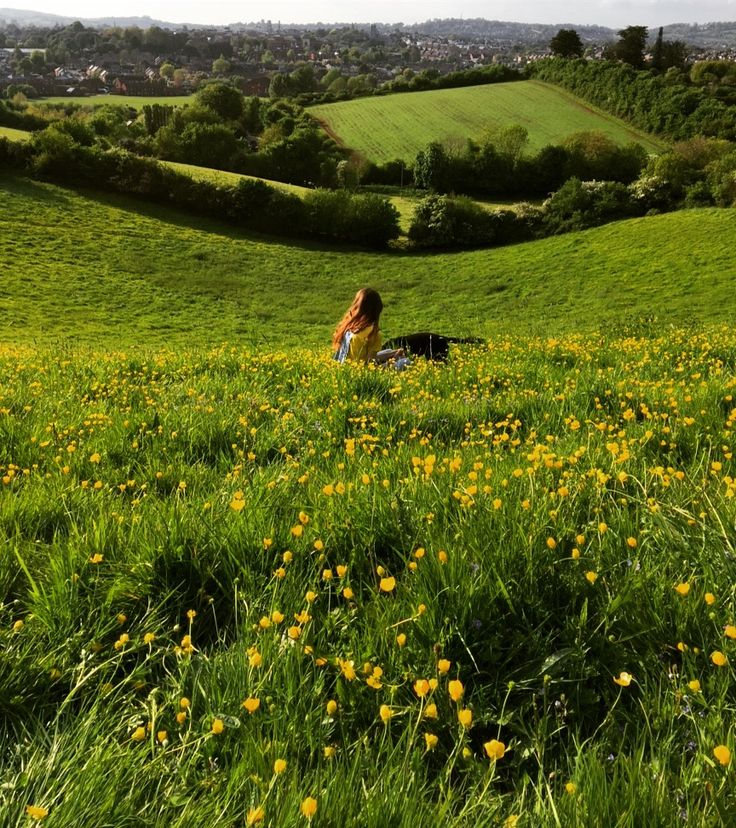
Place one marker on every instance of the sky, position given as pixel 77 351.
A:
pixel 614 13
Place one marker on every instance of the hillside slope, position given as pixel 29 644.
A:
pixel 114 271
pixel 398 126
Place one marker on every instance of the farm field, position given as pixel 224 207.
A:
pixel 134 101
pixel 398 126
pixel 162 277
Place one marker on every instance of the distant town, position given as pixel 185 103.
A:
pixel 48 56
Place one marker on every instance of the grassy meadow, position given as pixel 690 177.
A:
pixel 133 101
pixel 241 585
pixel 14 134
pixel 398 126
pixel 106 270
pixel 250 588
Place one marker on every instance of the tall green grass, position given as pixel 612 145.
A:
pixel 187 530
pixel 398 126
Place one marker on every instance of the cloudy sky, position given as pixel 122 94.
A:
pixel 615 13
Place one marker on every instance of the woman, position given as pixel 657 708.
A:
pixel 357 336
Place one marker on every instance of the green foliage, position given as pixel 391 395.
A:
pixel 224 100
pixel 632 42
pixel 156 116
pixel 579 204
pixel 386 128
pixel 566 44
pixel 440 221
pixel 662 104
pixel 364 219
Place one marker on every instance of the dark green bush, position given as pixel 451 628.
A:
pixel 442 221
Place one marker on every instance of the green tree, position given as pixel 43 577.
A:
pixel 631 45
pixel 225 101
pixel 221 66
pixel 166 70
pixel 567 44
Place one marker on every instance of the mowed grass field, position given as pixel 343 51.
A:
pixel 135 101
pixel 145 274
pixel 398 126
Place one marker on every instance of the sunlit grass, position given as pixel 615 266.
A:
pixel 387 127
pixel 234 580
pixel 112 270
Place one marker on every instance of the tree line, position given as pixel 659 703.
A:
pixel 676 104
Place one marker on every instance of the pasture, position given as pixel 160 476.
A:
pixel 134 101
pixel 398 126
pixel 14 134
pixel 141 273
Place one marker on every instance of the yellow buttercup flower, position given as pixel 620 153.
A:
pixel 387 584
pixel 495 749
pixel 308 807
pixel 430 740
pixel 36 812
pixel 722 754
pixel 217 726
pixel 251 705
pixel 421 687
pixel 623 679
pixel 279 766
pixel 385 712
pixel 694 686
pixel 682 588
pixel 255 815
pixel 718 658
pixel 443 666
pixel 455 689
pixel 465 717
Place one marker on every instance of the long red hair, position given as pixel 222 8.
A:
pixel 365 310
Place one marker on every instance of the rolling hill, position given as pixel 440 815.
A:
pixel 114 271
pixel 398 126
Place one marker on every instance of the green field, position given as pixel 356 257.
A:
pixel 14 134
pixel 225 178
pixel 243 586
pixel 134 101
pixel 398 126
pixel 147 274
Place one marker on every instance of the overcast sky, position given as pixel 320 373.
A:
pixel 615 13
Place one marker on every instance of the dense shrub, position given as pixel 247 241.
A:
pixel 368 220
pixel 663 104
pixel 498 166
pixel 580 204
pixel 363 219
pixel 16 117
pixel 14 155
pixel 441 221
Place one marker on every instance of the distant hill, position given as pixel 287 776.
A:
pixel 25 17
pixel 714 35
pixel 398 126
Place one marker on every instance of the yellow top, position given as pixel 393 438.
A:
pixel 365 344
